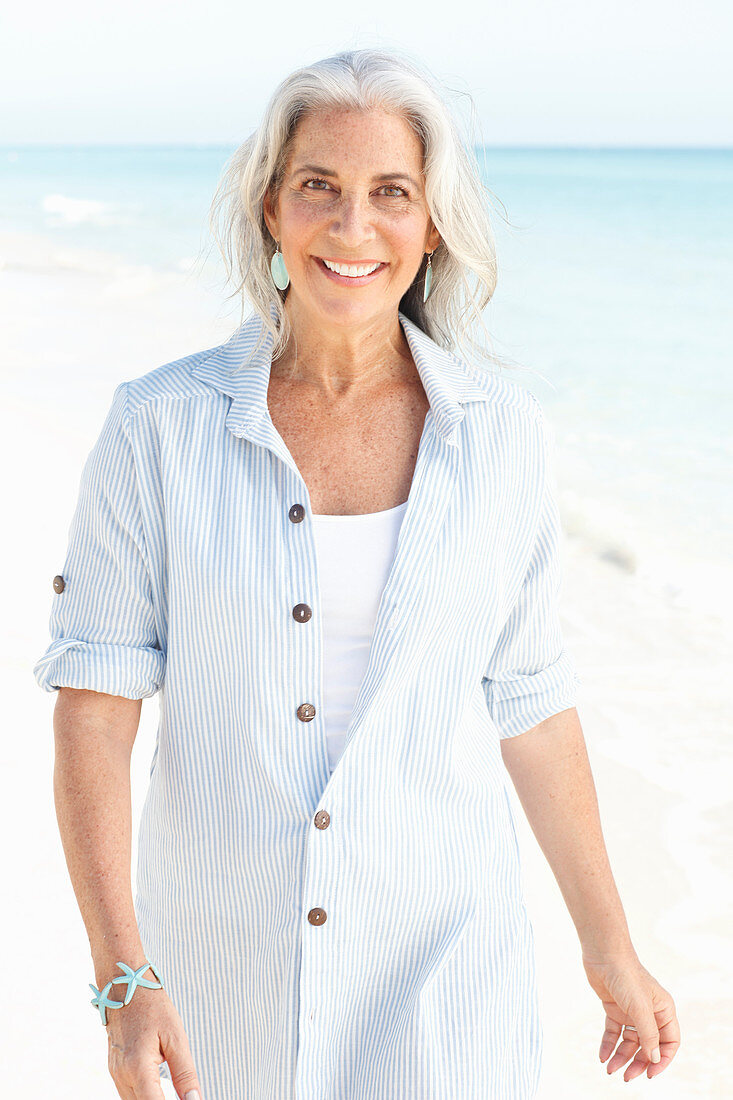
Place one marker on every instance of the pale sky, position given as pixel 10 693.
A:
pixel 575 72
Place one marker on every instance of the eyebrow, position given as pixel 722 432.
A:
pixel 384 177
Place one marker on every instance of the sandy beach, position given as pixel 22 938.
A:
pixel 653 704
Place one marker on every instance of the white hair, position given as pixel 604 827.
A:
pixel 464 263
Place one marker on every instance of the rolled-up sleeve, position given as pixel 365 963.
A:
pixel 102 624
pixel 531 674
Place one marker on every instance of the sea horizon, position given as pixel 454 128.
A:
pixel 615 272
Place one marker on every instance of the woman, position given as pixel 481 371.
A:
pixel 332 545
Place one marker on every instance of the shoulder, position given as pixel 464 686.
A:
pixel 494 393
pixel 506 421
pixel 174 381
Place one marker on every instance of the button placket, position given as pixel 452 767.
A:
pixel 303 572
pixel 301 613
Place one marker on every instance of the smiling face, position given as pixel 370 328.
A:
pixel 353 195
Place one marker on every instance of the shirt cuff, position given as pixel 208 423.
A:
pixel 135 673
pixel 519 704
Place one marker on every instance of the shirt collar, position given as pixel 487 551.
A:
pixel 241 369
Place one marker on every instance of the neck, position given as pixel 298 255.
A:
pixel 335 358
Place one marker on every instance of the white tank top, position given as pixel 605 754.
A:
pixel 355 555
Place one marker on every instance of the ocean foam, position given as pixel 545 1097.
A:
pixel 63 210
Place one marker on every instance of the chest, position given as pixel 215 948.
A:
pixel 354 457
pixel 227 540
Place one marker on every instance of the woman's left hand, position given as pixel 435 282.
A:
pixel 631 996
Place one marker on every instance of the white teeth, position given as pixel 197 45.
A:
pixel 351 270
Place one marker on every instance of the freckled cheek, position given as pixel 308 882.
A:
pixel 405 235
pixel 304 221
pixel 300 229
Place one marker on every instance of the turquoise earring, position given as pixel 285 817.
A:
pixel 428 277
pixel 280 276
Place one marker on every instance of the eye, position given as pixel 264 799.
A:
pixel 387 186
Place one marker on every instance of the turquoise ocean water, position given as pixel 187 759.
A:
pixel 615 288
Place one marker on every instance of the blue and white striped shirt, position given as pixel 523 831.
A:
pixel 360 935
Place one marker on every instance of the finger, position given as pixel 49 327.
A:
pixel 177 1054
pixel 610 1038
pixel 637 1067
pixel 627 1048
pixel 138 1078
pixel 669 1042
pixel 147 1083
pixel 643 1019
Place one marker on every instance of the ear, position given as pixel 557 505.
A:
pixel 269 215
pixel 433 240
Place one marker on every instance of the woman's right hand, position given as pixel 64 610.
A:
pixel 141 1035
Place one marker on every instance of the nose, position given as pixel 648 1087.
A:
pixel 352 224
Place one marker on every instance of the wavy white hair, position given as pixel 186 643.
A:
pixel 464 263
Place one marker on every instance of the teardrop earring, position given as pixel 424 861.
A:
pixel 279 272
pixel 428 277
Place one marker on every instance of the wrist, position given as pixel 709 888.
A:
pixel 601 925
pixel 105 956
pixel 118 991
pixel 601 949
pixel 107 971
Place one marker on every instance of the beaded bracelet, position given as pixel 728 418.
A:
pixel 132 979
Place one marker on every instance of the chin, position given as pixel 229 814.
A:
pixel 339 311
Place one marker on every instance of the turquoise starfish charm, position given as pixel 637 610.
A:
pixel 102 1002
pixel 133 979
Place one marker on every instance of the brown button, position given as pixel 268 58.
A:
pixel 302 613
pixel 306 712
pixel 59 584
pixel 317 916
pixel 296 513
pixel 322 819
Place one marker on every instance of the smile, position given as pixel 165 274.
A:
pixel 351 273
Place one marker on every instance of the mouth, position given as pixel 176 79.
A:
pixel 348 274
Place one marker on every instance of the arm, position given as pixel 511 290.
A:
pixel 94 735
pixel 551 772
pixel 549 767
pixel 106 655
pixel 530 684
